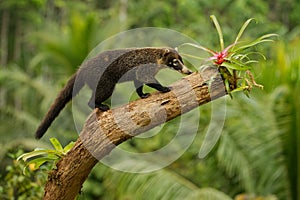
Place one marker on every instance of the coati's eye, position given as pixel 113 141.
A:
pixel 175 64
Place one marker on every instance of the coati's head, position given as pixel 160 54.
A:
pixel 171 58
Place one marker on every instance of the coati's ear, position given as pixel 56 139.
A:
pixel 163 56
pixel 166 52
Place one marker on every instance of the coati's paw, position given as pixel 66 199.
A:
pixel 99 106
pixel 102 107
pixel 145 95
pixel 165 89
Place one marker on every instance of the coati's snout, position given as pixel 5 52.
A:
pixel 184 69
pixel 178 65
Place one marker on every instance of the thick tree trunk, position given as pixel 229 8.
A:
pixel 104 130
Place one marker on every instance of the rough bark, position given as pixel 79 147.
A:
pixel 104 130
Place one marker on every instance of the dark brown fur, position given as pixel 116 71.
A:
pixel 104 71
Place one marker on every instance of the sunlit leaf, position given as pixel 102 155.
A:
pixel 162 184
pixel 56 144
pixel 198 46
pixel 68 147
pixel 192 56
pixel 35 153
pixel 227 86
pixel 235 66
pixel 255 42
pixel 219 30
pixel 40 156
pixel 38 162
pixel 243 28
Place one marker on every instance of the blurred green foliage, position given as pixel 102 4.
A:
pixel 20 184
pixel 44 41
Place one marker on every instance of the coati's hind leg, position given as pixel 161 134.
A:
pixel 100 95
pixel 139 89
pixel 94 104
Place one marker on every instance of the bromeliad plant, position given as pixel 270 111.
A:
pixel 234 61
pixel 38 157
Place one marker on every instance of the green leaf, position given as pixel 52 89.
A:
pixel 208 193
pixel 162 184
pixel 32 154
pixel 256 42
pixel 69 147
pixel 39 161
pixel 251 61
pixel 40 156
pixel 199 47
pixel 55 155
pixel 219 30
pixel 242 30
pixel 191 56
pixel 247 93
pixel 258 53
pixel 238 89
pixel 227 86
pixel 239 56
pixel 241 64
pixel 235 66
pixel 56 144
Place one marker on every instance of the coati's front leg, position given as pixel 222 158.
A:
pixel 154 84
pixel 159 87
pixel 139 89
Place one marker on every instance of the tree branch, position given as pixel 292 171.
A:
pixel 104 130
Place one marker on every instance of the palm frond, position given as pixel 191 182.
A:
pixel 251 149
pixel 235 161
pixel 162 184
pixel 208 194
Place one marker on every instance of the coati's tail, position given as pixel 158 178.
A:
pixel 61 100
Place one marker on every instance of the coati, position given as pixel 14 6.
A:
pixel 104 71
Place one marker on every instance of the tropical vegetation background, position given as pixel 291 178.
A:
pixel 42 43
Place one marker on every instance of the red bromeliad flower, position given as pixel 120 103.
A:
pixel 220 57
